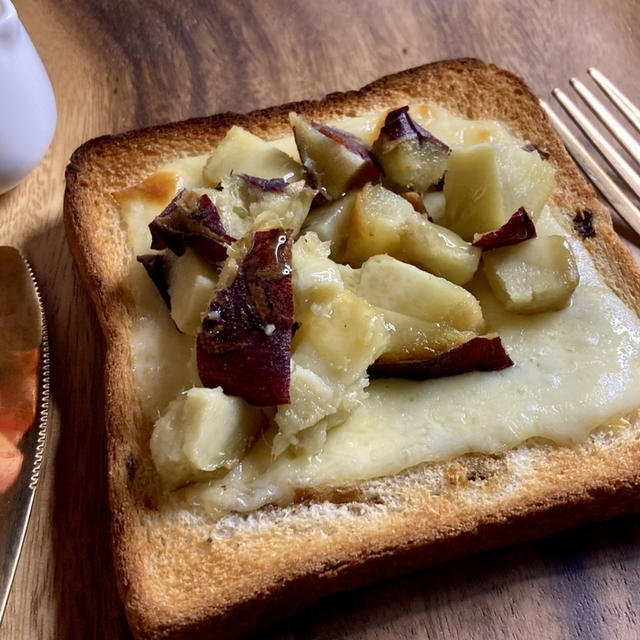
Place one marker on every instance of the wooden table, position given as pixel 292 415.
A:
pixel 121 64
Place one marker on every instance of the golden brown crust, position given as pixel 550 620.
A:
pixel 180 572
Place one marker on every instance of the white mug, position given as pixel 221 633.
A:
pixel 27 104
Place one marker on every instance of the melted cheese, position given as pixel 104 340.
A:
pixel 575 369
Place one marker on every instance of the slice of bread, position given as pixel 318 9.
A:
pixel 181 572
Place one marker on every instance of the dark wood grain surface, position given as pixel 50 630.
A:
pixel 117 65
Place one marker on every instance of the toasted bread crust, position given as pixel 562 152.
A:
pixel 180 572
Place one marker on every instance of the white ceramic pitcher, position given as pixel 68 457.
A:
pixel 27 104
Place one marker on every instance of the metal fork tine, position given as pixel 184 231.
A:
pixel 616 96
pixel 617 162
pixel 609 189
pixel 608 119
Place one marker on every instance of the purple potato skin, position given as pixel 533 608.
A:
pixel 155 266
pixel 482 353
pixel 530 147
pixel 197 226
pixel 273 185
pixel 518 228
pixel 244 343
pixel 398 125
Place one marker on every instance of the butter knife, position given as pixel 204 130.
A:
pixel 24 397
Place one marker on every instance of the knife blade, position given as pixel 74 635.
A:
pixel 24 397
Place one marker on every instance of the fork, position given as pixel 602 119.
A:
pixel 607 187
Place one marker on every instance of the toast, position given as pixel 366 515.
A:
pixel 182 572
